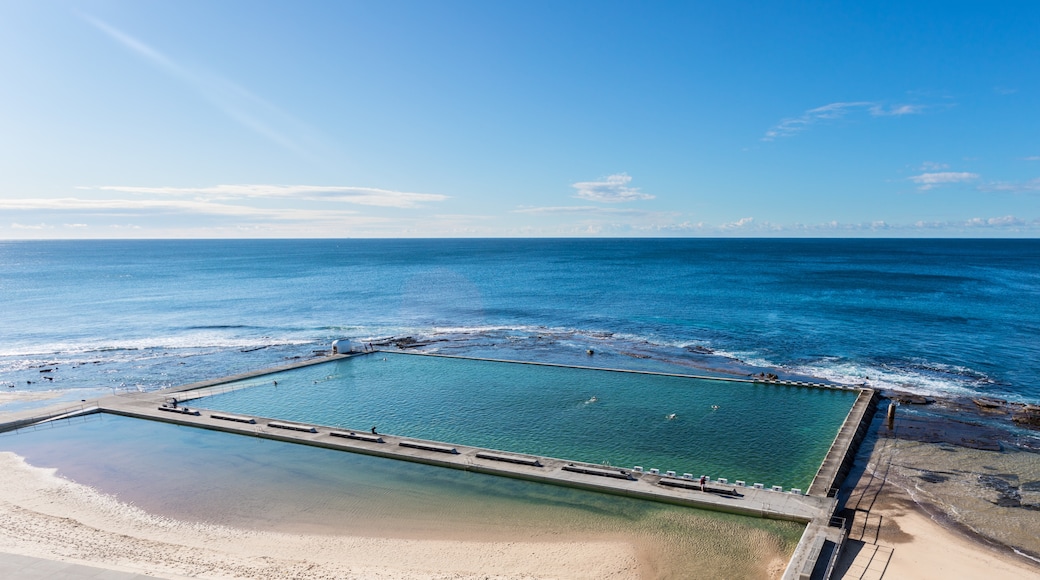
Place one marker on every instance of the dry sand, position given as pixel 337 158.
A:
pixel 894 536
pixel 46 516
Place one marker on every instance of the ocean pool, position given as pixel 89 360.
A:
pixel 772 434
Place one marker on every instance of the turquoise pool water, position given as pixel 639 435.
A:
pixel 776 435
pixel 200 475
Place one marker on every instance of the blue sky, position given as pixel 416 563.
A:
pixel 155 119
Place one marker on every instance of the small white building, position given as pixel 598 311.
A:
pixel 342 346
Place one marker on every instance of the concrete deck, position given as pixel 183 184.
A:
pixel 836 463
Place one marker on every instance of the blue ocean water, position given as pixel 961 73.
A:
pixel 939 317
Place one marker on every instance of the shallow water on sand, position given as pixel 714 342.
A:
pixel 994 493
pixel 198 475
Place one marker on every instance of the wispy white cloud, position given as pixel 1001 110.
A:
pixel 933 166
pixel 928 181
pixel 999 222
pixel 580 210
pixel 462 217
pixel 1032 158
pixel 741 223
pixel 241 105
pixel 151 206
pixel 1031 186
pixel 336 193
pixel 835 111
pixel 1003 222
pixel 1007 224
pixel 18 226
pixel 613 189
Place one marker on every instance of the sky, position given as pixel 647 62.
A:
pixel 254 119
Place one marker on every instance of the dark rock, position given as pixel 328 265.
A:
pixel 1027 415
pixel 914 400
pixel 990 404
pixel 1008 494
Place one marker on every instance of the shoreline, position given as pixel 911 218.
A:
pixel 46 516
pixel 897 525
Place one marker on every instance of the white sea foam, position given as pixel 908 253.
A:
pixel 918 377
pixel 886 378
pixel 205 340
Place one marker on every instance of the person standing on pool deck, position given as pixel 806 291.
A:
pixel 702 482
pixel 374 430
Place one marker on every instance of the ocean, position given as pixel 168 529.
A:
pixel 933 317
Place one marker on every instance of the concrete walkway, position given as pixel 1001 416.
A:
pixel 15 567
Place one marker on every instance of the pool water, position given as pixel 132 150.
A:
pixel 771 434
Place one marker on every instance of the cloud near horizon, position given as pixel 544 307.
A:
pixel 928 181
pixel 580 209
pixel 127 207
pixel 345 194
pixel 613 189
pixel 834 111
pixel 1031 186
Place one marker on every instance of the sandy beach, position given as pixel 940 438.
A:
pixel 900 530
pixel 46 516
